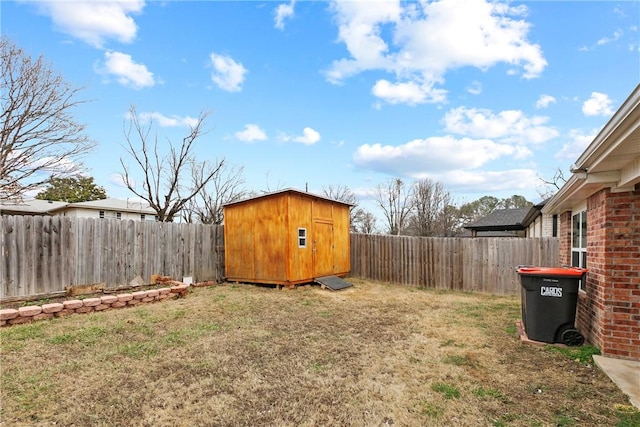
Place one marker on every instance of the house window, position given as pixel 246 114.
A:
pixel 101 214
pixel 118 215
pixel 302 237
pixel 142 217
pixel 579 242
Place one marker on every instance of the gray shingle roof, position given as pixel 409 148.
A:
pixel 500 220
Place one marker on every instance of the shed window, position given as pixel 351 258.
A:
pixel 101 214
pixel 302 237
pixel 579 242
pixel 118 215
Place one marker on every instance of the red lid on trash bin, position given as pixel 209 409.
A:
pixel 552 271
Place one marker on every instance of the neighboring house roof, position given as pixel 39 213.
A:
pixel 500 220
pixel 119 205
pixel 534 212
pixel 46 207
pixel 286 190
pixel 611 160
pixel 469 233
pixel 29 207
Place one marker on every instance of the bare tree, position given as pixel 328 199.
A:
pixel 225 187
pixel 552 185
pixel 342 193
pixel 40 139
pixel 394 198
pixel 363 222
pixel 430 200
pixel 450 222
pixel 169 180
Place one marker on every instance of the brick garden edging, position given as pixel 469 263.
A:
pixel 31 313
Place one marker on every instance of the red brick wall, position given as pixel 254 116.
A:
pixel 609 311
pixel 564 236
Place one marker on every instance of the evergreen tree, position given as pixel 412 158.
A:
pixel 72 190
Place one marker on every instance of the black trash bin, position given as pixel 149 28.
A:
pixel 549 298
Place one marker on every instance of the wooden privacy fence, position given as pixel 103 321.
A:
pixel 464 264
pixel 44 254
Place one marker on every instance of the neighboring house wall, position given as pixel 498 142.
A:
pixel 547 225
pixel 542 226
pixel 535 229
pixel 107 213
pixel 609 309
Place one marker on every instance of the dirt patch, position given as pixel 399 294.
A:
pixel 235 355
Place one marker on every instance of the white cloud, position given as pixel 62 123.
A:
pixel 484 182
pixel 94 22
pixel 127 72
pixel 227 73
pixel 164 121
pixel 598 105
pixel 283 11
pixel 309 137
pixel 578 142
pixel 251 133
pixel 427 40
pixel 507 126
pixel 434 154
pixel 410 93
pixel 116 179
pixel 475 88
pixel 606 40
pixel 544 101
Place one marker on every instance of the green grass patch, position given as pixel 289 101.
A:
pixel 484 393
pixel 139 350
pixel 317 367
pixel 628 416
pixel 429 409
pixel 179 313
pixel 448 391
pixel 511 328
pixel 458 360
pixel 22 332
pixel 582 354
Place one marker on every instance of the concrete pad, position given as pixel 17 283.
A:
pixel 625 373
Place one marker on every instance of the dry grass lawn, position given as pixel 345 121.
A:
pixel 241 355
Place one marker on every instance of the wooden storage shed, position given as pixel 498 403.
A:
pixel 285 238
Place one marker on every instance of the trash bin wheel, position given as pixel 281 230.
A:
pixel 572 337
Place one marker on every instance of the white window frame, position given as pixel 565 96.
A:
pixel 302 237
pixel 579 242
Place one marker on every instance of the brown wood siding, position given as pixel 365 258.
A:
pixel 341 240
pixel 269 228
pixel 256 247
pixel 301 259
pixel 239 242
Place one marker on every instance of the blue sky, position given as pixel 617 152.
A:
pixel 482 96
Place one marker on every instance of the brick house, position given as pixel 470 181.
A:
pixel 598 211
